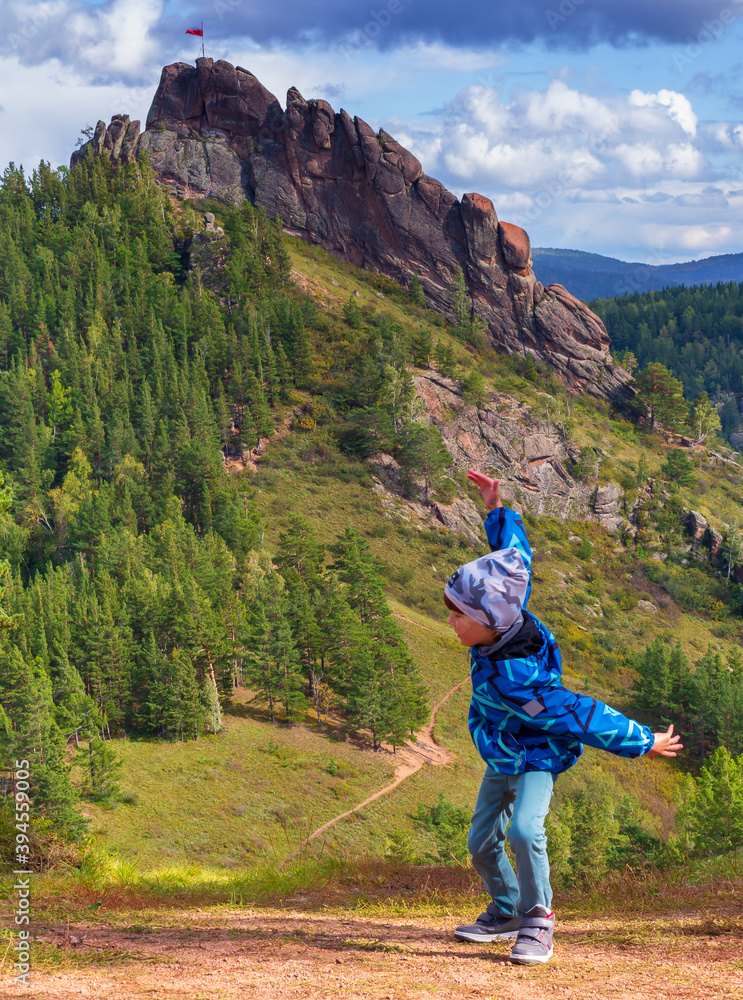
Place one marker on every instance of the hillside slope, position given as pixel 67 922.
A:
pixel 590 596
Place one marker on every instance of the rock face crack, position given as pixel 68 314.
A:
pixel 337 183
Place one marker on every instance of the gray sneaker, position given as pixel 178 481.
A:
pixel 490 926
pixel 534 943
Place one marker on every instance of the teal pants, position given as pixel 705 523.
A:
pixel 521 800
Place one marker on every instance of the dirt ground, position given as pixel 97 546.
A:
pixel 278 954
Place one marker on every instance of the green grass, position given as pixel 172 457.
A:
pixel 254 790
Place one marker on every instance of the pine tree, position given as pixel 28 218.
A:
pixel 99 760
pixel 424 459
pixel 679 468
pixel 421 347
pixel 37 738
pixel 711 813
pixel 661 395
pixel 473 389
pixel 460 299
pixel 274 666
pixel 258 421
pixel 382 689
pixel 443 356
pixel 352 314
pixel 416 292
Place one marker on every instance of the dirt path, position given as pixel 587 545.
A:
pixel 231 953
pixel 412 757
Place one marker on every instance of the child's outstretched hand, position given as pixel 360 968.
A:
pixel 666 744
pixel 488 487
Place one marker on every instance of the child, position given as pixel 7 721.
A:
pixel 527 728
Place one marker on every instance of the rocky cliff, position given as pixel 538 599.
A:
pixel 524 449
pixel 214 130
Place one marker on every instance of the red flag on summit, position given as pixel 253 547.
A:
pixel 195 31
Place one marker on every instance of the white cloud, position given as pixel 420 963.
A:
pixel 640 159
pixel 559 109
pixel 576 170
pixel 692 238
pixel 560 132
pixel 684 160
pixel 48 105
pixel 679 107
pixel 115 40
pixel 727 135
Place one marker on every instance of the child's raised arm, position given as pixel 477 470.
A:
pixel 504 527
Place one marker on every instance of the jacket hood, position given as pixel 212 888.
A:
pixel 491 590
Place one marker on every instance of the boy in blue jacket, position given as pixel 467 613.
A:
pixel 527 727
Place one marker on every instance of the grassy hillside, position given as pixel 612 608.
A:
pixel 258 790
pixel 136 553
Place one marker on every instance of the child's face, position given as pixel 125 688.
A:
pixel 470 632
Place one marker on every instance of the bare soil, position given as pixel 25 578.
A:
pixel 315 949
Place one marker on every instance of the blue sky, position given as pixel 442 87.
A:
pixel 615 127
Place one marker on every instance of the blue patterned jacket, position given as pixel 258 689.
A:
pixel 521 717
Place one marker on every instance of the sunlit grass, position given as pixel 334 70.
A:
pixel 105 890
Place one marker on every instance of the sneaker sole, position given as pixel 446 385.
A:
pixel 531 959
pixel 486 938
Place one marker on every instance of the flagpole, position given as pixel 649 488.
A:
pixel 203 53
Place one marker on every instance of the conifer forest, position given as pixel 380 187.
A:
pixel 134 601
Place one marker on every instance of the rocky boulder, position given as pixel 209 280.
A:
pixel 696 524
pixel 608 506
pixel 715 541
pixel 461 516
pixel 386 469
pixel 516 248
pixel 214 130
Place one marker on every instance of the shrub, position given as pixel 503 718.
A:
pixel 449 825
pixel 679 468
pixel 352 314
pixel 473 389
pixel 585 549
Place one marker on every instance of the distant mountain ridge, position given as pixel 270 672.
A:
pixel 592 276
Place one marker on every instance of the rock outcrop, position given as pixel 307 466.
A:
pixel 215 131
pixel 507 439
pixel 697 525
